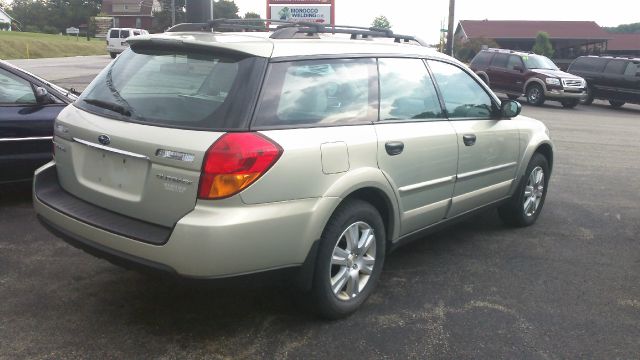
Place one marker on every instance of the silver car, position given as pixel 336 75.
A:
pixel 212 155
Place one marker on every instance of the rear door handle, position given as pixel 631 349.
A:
pixel 394 147
pixel 469 139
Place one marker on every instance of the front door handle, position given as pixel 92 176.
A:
pixel 394 147
pixel 469 139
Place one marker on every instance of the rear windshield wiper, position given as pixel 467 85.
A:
pixel 109 106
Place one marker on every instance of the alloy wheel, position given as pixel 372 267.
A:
pixel 353 260
pixel 533 191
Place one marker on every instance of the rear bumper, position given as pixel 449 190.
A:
pixel 209 242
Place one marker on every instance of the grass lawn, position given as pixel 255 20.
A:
pixel 22 45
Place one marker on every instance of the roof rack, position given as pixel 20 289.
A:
pixel 508 51
pixel 294 29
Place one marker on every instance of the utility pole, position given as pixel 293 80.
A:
pixel 452 8
pixel 173 12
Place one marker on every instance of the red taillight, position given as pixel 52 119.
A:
pixel 234 162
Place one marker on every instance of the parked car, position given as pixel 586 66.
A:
pixel 212 155
pixel 609 78
pixel 28 107
pixel 517 73
pixel 117 39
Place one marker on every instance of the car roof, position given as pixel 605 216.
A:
pixel 259 44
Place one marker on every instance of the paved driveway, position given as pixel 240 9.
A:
pixel 566 288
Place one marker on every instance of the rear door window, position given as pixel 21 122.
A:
pixel 184 89
pixel 615 67
pixel 407 91
pixel 500 60
pixel 319 93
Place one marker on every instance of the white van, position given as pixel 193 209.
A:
pixel 117 39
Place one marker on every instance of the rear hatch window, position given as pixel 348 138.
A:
pixel 180 88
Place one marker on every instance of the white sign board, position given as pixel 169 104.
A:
pixel 73 30
pixel 314 13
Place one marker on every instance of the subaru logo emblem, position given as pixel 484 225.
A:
pixel 104 139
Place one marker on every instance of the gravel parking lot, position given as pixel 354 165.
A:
pixel 568 287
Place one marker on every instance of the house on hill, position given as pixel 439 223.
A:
pixel 131 13
pixel 570 39
pixel 5 21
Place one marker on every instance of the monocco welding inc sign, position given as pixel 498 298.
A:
pixel 319 13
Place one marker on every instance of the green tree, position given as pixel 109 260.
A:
pixel 162 19
pixel 543 45
pixel 253 15
pixel 225 9
pixel 465 51
pixel 381 22
pixel 625 28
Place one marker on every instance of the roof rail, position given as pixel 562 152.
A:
pixel 294 29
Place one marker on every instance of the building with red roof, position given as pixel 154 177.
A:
pixel 569 38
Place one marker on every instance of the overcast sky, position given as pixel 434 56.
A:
pixel 422 17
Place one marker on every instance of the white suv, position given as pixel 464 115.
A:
pixel 209 155
pixel 117 39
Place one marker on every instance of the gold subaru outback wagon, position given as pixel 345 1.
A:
pixel 210 154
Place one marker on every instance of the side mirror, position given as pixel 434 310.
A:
pixel 510 109
pixel 42 96
pixel 518 68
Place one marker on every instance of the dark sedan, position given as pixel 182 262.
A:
pixel 28 108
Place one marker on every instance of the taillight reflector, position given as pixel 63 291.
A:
pixel 234 162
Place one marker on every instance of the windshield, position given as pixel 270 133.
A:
pixel 538 62
pixel 185 89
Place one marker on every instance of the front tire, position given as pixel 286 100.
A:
pixel 350 259
pixel 616 103
pixel 113 55
pixel 535 95
pixel 525 205
pixel 590 97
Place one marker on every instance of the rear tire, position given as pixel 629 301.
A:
pixel 113 55
pixel 525 205
pixel 616 103
pixel 570 104
pixel 350 259
pixel 535 95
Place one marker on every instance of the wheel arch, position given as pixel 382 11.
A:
pixel 532 81
pixel 546 150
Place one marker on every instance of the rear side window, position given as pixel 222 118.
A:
pixel 183 89
pixel 319 93
pixel 482 59
pixel 114 34
pixel 463 96
pixel 124 34
pixel 407 91
pixel 615 67
pixel 500 60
